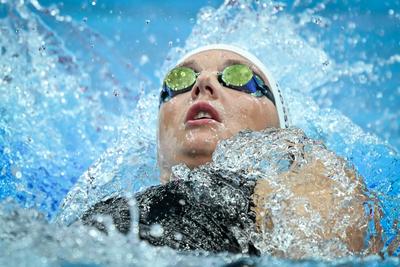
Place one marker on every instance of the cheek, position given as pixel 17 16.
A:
pixel 166 120
pixel 248 113
pixel 258 116
pixel 170 112
pixel 167 137
pixel 163 121
pixel 171 120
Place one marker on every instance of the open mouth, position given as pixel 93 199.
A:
pixel 202 113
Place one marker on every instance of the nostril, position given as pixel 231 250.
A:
pixel 197 90
pixel 210 89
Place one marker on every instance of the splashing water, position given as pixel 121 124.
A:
pixel 267 156
pixel 65 100
pixel 57 115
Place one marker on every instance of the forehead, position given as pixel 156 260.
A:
pixel 217 59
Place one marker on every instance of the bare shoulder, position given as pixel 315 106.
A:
pixel 321 207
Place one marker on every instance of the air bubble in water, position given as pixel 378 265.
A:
pixel 156 230
pixel 143 60
pixel 178 236
pixel 362 79
pixel 206 13
pixel 152 39
pixel 278 7
pixel 317 20
pixel 351 25
pixel 54 12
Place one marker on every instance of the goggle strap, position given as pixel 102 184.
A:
pixel 264 89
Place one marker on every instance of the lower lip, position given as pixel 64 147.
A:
pixel 200 122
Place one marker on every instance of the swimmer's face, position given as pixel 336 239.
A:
pixel 183 138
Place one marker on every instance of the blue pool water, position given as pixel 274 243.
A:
pixel 79 82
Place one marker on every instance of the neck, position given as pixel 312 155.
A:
pixel 189 160
pixel 165 177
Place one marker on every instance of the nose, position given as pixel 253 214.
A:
pixel 206 85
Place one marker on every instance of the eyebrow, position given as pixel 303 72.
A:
pixel 229 62
pixel 190 64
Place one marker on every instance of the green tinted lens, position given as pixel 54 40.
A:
pixel 237 75
pixel 180 78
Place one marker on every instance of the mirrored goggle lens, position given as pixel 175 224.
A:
pixel 180 78
pixel 237 75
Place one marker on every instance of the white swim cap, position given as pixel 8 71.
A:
pixel 279 102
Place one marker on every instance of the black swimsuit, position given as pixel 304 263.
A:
pixel 213 220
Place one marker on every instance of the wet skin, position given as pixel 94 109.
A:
pixel 192 142
pixel 184 139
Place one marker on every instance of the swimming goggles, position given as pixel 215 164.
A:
pixel 237 77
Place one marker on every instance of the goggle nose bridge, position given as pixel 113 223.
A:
pixel 218 73
pixel 197 74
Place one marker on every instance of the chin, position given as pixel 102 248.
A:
pixel 194 162
pixel 201 145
